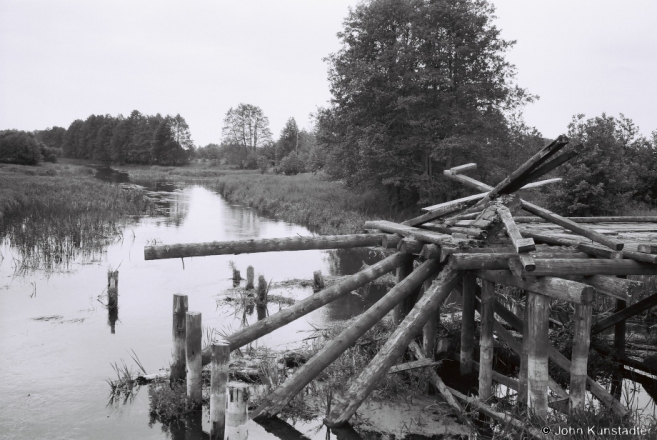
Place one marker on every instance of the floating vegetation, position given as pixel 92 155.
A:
pixel 126 386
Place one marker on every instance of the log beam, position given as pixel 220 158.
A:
pixel 262 245
pixel 624 314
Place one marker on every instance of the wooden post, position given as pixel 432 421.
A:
pixel 468 323
pixel 486 340
pixel 218 380
pixel 112 288
pixel 402 272
pixel 236 277
pixel 318 281
pixel 237 411
pixel 620 328
pixel 430 328
pixel 524 355
pixel 249 278
pixel 178 360
pixel 580 356
pixel 261 300
pixel 193 356
pixel 537 360
pixel 280 397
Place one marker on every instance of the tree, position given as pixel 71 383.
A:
pixel 19 147
pixel 181 133
pixel 247 126
pixel 289 140
pixel 418 86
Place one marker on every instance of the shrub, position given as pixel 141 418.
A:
pixel 292 164
pixel 19 147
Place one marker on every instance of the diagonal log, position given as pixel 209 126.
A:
pixel 301 308
pixel 624 314
pixel 261 245
pixel 275 401
pixel 412 325
pixel 521 244
pixel 543 170
pixel 418 234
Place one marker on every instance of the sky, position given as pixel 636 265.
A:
pixel 62 60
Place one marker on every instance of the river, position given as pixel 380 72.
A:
pixel 57 340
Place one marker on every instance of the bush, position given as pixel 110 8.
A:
pixel 292 164
pixel 19 147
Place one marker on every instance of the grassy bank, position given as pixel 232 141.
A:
pixel 56 212
pixel 324 206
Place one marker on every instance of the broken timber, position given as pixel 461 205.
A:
pixel 573 264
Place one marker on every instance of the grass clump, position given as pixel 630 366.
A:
pixel 169 402
pixel 61 213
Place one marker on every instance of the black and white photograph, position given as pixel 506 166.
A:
pixel 328 219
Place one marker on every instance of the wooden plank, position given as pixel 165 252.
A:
pixel 521 244
pixel 486 340
pixel 543 170
pixel 313 302
pixel 468 181
pixel 568 267
pixel 413 365
pixel 624 314
pixel 571 225
pixel 580 355
pixel 261 245
pixel 280 397
pixel 541 183
pixel 647 248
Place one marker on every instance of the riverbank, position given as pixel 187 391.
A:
pixel 53 212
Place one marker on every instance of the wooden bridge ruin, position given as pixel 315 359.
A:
pixel 459 246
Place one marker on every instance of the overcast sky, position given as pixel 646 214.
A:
pixel 64 60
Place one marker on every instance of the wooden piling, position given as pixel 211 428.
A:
pixel 402 272
pixel 178 359
pixel 430 328
pixel 249 278
pixel 524 355
pixel 620 329
pixel 112 288
pixel 236 277
pixel 537 357
pixel 193 356
pixel 218 380
pixel 263 291
pixel 318 281
pixel 486 340
pixel 468 323
pixel 580 356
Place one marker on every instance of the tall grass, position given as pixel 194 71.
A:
pixel 323 206
pixel 55 214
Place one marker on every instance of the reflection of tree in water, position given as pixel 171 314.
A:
pixel 245 222
pixel 349 261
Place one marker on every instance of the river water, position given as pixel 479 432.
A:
pixel 57 340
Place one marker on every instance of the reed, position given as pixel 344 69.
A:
pixel 62 215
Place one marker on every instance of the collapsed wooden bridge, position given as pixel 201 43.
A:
pixel 457 242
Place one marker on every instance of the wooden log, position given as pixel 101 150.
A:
pixel 580 356
pixel 523 390
pixel 599 251
pixel 543 170
pixel 431 251
pixel 537 357
pixel 501 417
pixel 500 378
pixel 526 262
pixel 620 328
pixel 275 401
pixel 468 181
pixel 400 310
pixel 263 290
pixel 620 357
pixel 468 323
pixel 410 246
pixel 193 338
pixel 572 267
pixel 563 362
pixel 571 225
pixel 486 340
pixel 624 314
pixel 262 245
pixel 313 302
pixel 639 256
pixel 390 241
pixel 499 261
pixel 463 168
pixel 430 328
pixel 362 386
pixel 648 248
pixel 611 286
pixel 557 288
pixel 249 278
pixel 413 365
pixel 218 380
pixel 617 219
pixel 419 234
pixel 178 359
pixel 521 244
pixel 318 281
pixel 237 411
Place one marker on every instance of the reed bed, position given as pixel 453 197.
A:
pixel 60 214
